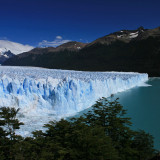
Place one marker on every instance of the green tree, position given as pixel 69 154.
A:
pixel 143 142
pixel 104 133
pixel 9 121
pixel 8 124
pixel 110 115
pixel 75 140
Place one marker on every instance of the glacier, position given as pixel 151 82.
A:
pixel 48 94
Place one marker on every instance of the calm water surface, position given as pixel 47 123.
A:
pixel 143 105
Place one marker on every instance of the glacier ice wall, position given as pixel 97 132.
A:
pixel 47 94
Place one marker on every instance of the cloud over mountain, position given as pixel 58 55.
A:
pixel 15 48
pixel 57 41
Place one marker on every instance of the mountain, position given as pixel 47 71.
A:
pixel 4 55
pixel 8 49
pixel 125 50
pixel 15 48
pixel 123 35
pixel 69 46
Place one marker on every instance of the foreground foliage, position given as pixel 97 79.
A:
pixel 104 133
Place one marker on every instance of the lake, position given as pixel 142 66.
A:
pixel 143 106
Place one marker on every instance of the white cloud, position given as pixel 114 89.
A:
pixel 58 41
pixel 59 37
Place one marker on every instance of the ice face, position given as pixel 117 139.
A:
pixel 46 94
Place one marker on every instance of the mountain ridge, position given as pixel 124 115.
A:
pixel 124 50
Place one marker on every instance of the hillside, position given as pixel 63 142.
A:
pixel 125 50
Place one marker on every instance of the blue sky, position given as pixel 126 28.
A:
pixel 41 21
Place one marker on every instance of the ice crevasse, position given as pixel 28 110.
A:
pixel 49 93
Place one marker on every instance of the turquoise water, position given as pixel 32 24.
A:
pixel 143 105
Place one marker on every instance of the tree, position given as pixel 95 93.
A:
pixel 104 133
pixel 110 115
pixel 8 124
pixel 9 121
pixel 143 142
pixel 75 140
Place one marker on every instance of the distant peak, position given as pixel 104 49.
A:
pixel 15 48
pixel 141 28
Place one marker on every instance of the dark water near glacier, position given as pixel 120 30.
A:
pixel 143 106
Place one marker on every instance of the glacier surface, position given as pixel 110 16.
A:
pixel 47 94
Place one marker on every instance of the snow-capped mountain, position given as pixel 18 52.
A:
pixel 8 49
pixel 4 55
pixel 47 94
pixel 13 47
pixel 122 35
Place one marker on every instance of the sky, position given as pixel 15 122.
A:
pixel 53 22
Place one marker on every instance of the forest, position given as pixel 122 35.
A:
pixel 103 133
